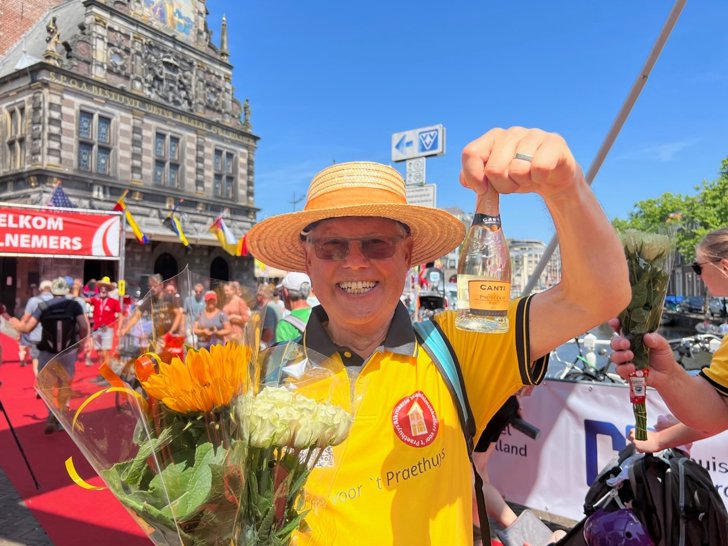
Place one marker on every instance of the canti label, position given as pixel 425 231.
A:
pixel 487 297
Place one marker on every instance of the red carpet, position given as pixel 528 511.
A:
pixel 70 515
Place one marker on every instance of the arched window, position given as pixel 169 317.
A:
pixel 166 266
pixel 219 270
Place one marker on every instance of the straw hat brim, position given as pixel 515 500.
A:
pixel 276 241
pixel 99 284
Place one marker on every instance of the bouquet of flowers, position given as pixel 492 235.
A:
pixel 213 446
pixel 649 259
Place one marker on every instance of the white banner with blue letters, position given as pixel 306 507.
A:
pixel 583 426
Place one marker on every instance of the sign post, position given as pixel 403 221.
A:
pixel 424 196
pixel 415 172
pixel 422 142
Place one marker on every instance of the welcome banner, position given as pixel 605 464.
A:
pixel 53 232
pixel 583 426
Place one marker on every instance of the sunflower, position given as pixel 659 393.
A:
pixel 205 381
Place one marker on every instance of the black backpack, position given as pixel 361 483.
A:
pixel 671 494
pixel 58 321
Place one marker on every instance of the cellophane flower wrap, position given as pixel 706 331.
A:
pixel 207 447
pixel 649 260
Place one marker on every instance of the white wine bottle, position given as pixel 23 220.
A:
pixel 484 273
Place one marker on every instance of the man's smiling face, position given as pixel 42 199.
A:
pixel 362 284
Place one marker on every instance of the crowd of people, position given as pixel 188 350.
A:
pixel 355 241
pixel 114 330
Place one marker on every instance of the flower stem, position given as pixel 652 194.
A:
pixel 640 417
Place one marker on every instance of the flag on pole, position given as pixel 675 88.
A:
pixel 60 199
pixel 174 225
pixel 138 233
pixel 227 239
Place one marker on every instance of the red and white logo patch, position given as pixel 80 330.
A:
pixel 415 420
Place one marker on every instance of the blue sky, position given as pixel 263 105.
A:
pixel 332 81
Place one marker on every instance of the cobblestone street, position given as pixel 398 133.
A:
pixel 18 527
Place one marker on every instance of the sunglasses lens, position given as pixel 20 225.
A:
pixel 331 249
pixel 697 268
pixel 338 249
pixel 378 249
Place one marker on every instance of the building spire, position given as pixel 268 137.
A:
pixel 224 51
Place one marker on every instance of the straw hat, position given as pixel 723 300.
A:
pixel 354 189
pixel 105 282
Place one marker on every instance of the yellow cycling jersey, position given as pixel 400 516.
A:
pixel 403 476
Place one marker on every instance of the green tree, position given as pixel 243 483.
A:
pixel 687 217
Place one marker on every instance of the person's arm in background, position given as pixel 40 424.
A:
pixel 692 399
pixel 226 327
pixel 244 312
pixel 82 321
pixel 199 331
pixel 130 322
pixel 674 436
pixel 594 282
pixel 179 321
pixel 24 325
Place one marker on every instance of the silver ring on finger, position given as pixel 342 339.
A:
pixel 524 157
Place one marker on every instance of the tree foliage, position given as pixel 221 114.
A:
pixel 686 217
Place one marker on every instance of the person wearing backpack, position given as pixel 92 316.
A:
pixel 404 475
pixel 64 323
pixel 294 289
pixel 32 337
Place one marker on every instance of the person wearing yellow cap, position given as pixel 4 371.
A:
pixel 106 311
pixel 403 475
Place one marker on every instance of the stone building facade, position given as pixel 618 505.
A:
pixel 105 96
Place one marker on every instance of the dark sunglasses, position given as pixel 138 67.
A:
pixel 337 248
pixel 698 266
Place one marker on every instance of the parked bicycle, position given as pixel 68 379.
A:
pixel 695 352
pixel 591 363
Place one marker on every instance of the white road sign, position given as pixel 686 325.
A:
pixel 415 173
pixel 418 143
pixel 423 196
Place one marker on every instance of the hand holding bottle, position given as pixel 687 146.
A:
pixel 518 160
pixel 484 272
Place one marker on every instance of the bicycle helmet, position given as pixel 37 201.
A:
pixel 618 528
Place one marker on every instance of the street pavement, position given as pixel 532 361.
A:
pixel 18 526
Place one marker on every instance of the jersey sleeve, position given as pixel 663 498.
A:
pixel 494 366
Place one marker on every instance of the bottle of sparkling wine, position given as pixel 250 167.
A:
pixel 484 273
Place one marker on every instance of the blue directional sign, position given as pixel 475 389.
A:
pixel 421 142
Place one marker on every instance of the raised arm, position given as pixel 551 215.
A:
pixel 594 282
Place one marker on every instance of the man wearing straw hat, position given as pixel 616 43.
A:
pixel 356 238
pixel 106 311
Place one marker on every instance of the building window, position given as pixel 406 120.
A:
pixel 167 160
pixel 16 133
pixel 94 142
pixel 224 175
